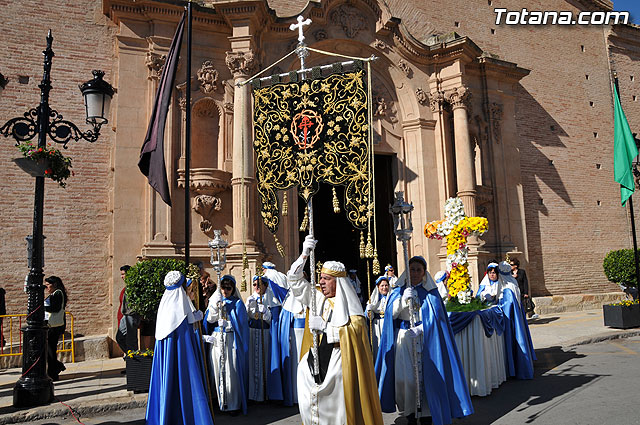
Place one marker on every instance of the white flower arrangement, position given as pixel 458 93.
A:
pixel 464 297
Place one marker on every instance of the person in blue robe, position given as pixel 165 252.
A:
pixel 290 329
pixel 177 390
pixel 425 352
pixel 229 345
pixel 375 311
pixel 263 309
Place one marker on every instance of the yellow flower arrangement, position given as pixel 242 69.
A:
pixel 456 228
pixel 139 353
pixel 627 303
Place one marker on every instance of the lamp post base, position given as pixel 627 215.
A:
pixel 30 392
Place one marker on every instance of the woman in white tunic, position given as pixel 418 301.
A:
pixel 228 354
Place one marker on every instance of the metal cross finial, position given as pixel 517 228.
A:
pixel 298 26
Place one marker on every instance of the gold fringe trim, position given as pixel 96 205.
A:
pixel 279 246
pixel 305 220
pixel 376 263
pixel 336 204
pixel 369 248
pixel 245 266
pixel 362 246
pixel 285 206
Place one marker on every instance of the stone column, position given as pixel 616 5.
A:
pixel 242 65
pixel 465 170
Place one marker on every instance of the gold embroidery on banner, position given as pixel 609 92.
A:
pixel 311 132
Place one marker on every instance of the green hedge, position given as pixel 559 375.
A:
pixel 145 283
pixel 619 267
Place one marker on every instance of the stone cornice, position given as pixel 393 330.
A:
pixel 161 10
pixel 501 68
pixel 622 36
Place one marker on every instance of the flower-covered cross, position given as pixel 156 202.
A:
pixel 456 228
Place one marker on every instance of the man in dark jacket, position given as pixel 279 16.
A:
pixel 523 283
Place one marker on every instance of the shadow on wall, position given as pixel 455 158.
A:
pixel 537 129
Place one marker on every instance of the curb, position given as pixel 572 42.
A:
pixel 55 409
pixel 607 336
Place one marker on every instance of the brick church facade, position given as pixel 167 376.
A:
pixel 516 120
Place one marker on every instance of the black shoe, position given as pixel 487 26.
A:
pixel 411 419
pixel 426 420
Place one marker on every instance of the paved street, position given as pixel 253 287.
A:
pixel 586 384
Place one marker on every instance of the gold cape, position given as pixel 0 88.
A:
pixel 358 378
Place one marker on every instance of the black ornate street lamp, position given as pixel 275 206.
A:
pixel 34 387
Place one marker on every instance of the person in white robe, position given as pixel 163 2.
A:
pixel 355 282
pixel 441 278
pixel 344 391
pixel 228 351
pixel 375 311
pixel 389 272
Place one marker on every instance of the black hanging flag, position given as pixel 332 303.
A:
pixel 151 161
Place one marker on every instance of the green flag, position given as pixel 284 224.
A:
pixel 624 150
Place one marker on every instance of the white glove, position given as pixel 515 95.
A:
pixel 414 332
pixel 209 339
pixel 408 294
pixel 308 245
pixel 316 323
pixel 368 308
pixel 198 315
pixel 261 308
pixel 222 323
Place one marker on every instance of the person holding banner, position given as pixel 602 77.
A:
pixel 344 390
pixel 263 310
pixel 228 354
pixel 177 391
pixel 418 366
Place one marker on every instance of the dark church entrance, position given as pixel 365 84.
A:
pixel 338 240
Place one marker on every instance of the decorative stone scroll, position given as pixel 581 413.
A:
pixel 241 63
pixel 155 63
pixel 205 206
pixel 208 77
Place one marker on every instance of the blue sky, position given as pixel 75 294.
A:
pixel 632 6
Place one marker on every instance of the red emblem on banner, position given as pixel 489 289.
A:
pixel 306 127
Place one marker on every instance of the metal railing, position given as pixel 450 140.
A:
pixel 13 345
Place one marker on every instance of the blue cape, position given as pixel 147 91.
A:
pixel 237 315
pixel 177 393
pixel 517 339
pixel 492 320
pixel 281 360
pixel 444 383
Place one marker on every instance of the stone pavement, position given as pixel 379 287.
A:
pixel 97 386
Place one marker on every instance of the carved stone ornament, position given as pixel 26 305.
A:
pixel 350 19
pixel 379 106
pixel 436 100
pixel 404 67
pixel 155 63
pixel 228 106
pixel 320 35
pixel 422 96
pixel 205 206
pixel 241 63
pixel 495 110
pixel 379 44
pixel 208 77
pixel 459 97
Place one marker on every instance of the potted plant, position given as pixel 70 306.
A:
pixel 619 267
pixel 144 288
pixel 138 367
pixel 48 162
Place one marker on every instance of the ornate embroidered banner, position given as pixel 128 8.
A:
pixel 311 132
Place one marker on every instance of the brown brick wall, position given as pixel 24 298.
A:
pixel 568 232
pixel 77 221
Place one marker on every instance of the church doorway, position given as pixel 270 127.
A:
pixel 338 240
